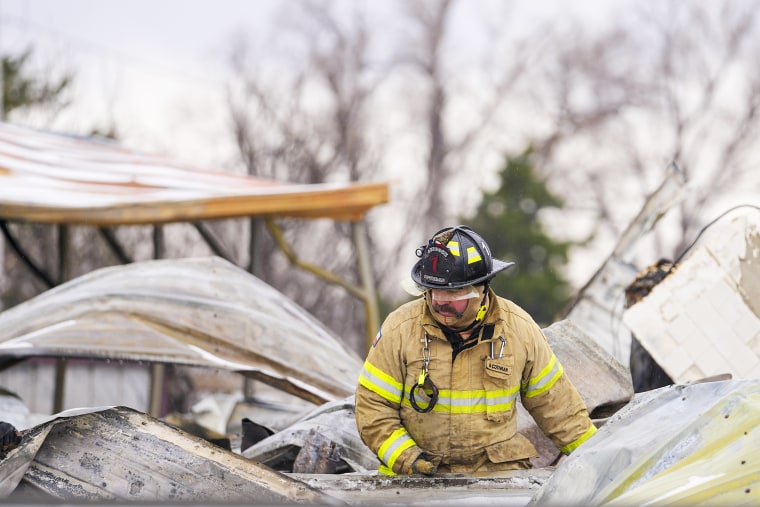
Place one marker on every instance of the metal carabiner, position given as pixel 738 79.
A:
pixel 423 381
pixel 501 350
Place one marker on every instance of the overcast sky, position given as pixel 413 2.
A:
pixel 157 68
pixel 154 65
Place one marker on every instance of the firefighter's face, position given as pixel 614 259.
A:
pixel 456 308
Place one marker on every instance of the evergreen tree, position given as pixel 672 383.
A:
pixel 508 220
pixel 22 90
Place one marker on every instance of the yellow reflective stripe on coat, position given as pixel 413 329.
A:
pixel 398 442
pixel 469 402
pixel 380 383
pixel 567 449
pixel 545 379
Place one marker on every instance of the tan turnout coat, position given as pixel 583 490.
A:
pixel 473 425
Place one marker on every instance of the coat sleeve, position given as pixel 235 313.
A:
pixel 550 397
pixel 379 395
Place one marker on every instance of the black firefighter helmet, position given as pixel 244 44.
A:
pixel 455 257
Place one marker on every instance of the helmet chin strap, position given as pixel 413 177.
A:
pixel 481 311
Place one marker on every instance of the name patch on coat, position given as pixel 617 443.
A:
pixel 494 366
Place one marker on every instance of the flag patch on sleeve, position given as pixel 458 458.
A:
pixel 377 338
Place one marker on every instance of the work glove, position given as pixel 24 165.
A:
pixel 9 437
pixel 423 465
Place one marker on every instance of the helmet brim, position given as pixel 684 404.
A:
pixel 497 266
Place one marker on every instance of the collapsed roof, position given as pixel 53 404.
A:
pixel 121 454
pixel 634 458
pixel 55 178
pixel 207 312
pixel 199 312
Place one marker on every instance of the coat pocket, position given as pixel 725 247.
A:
pixel 516 448
pixel 498 380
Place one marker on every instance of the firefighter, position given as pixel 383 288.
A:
pixel 438 389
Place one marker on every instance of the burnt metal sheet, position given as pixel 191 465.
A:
pixel 333 422
pixel 17 462
pixel 202 312
pixel 677 445
pixel 115 454
pixel 118 454
pixel 55 178
pixel 508 488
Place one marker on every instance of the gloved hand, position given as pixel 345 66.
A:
pixel 423 465
pixel 9 437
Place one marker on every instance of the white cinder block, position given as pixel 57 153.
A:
pixel 699 344
pixel 692 374
pixel 712 363
pixel 663 344
pixel 725 298
pixel 705 317
pixel 699 321
pixel 748 324
pixel 741 359
pixel 678 362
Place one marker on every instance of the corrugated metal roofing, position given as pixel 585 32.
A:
pixel 202 312
pixel 55 178
pixel 677 445
pixel 118 454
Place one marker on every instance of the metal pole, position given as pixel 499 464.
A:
pixel 157 370
pixel 372 312
pixel 63 275
pixel 254 267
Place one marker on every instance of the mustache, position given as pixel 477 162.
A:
pixel 447 308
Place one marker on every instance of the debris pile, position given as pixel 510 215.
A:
pixel 649 448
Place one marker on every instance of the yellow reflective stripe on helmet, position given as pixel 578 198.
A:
pixel 380 383
pixel 473 255
pixel 545 379
pixel 398 442
pixel 567 449
pixel 469 402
